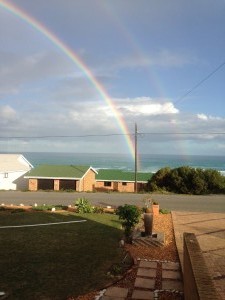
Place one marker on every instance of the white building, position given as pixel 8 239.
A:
pixel 12 170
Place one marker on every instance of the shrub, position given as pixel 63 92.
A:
pixel 130 215
pixel 83 206
pixel 164 211
pixel 42 207
pixel 98 210
pixel 61 207
pixel 187 180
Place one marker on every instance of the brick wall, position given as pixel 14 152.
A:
pixel 198 284
pixel 87 183
pixel 115 186
pixel 118 186
pixel 99 186
pixel 33 184
pixel 56 184
pixel 129 187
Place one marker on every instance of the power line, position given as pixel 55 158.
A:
pixel 199 83
pixel 183 133
pixel 63 136
pixel 110 135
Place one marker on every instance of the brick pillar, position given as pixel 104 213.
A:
pixel 77 186
pixel 33 184
pixel 56 184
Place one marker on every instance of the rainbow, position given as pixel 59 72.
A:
pixel 13 9
pixel 107 6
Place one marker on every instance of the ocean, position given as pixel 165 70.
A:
pixel 147 162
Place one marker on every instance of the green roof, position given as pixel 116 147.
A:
pixel 120 175
pixel 58 171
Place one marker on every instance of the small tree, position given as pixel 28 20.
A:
pixel 130 215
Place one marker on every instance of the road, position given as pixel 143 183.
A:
pixel 208 203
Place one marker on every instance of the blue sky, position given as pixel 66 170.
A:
pixel 147 55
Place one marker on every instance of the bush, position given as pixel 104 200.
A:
pixel 49 207
pixel 42 207
pixel 130 215
pixel 187 180
pixel 98 210
pixel 164 211
pixel 83 206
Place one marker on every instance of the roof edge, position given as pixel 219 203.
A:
pixel 41 177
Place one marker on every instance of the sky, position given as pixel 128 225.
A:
pixel 160 64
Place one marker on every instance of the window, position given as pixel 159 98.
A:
pixel 124 183
pixel 6 175
pixel 107 183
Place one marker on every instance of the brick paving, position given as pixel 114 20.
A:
pixel 138 294
pixel 115 293
pixel 209 229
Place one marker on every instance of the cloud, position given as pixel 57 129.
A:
pixel 7 114
pixel 145 106
pixel 208 118
pixel 18 70
pixel 161 126
pixel 202 117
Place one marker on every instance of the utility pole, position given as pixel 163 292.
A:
pixel 135 158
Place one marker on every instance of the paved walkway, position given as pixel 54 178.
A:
pixel 152 278
pixel 209 229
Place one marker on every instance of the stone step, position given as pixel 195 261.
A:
pixel 147 242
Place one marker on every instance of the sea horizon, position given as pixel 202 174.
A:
pixel 146 162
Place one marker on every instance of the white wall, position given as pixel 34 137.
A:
pixel 14 181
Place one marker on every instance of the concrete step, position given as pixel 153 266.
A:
pixel 147 242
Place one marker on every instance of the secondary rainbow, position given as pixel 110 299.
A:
pixel 12 8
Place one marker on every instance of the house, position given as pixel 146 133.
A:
pixel 121 181
pixel 12 170
pixel 84 178
pixel 62 177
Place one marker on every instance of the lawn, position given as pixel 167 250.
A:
pixel 55 262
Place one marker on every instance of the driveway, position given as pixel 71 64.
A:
pixel 208 203
pixel 209 229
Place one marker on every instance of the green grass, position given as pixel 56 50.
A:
pixel 54 262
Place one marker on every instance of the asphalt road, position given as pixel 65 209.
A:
pixel 208 203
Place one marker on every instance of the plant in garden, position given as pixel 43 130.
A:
pixel 164 211
pixel 148 205
pixel 98 210
pixel 130 215
pixel 83 206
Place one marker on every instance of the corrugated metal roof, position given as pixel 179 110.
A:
pixel 58 171
pixel 119 175
pixel 13 163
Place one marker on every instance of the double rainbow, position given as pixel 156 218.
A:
pixel 31 21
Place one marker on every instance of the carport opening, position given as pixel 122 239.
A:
pixel 45 184
pixel 67 185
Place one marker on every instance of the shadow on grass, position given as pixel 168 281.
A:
pixel 58 261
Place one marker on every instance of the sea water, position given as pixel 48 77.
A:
pixel 146 162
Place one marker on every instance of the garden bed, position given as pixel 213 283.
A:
pixel 162 223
